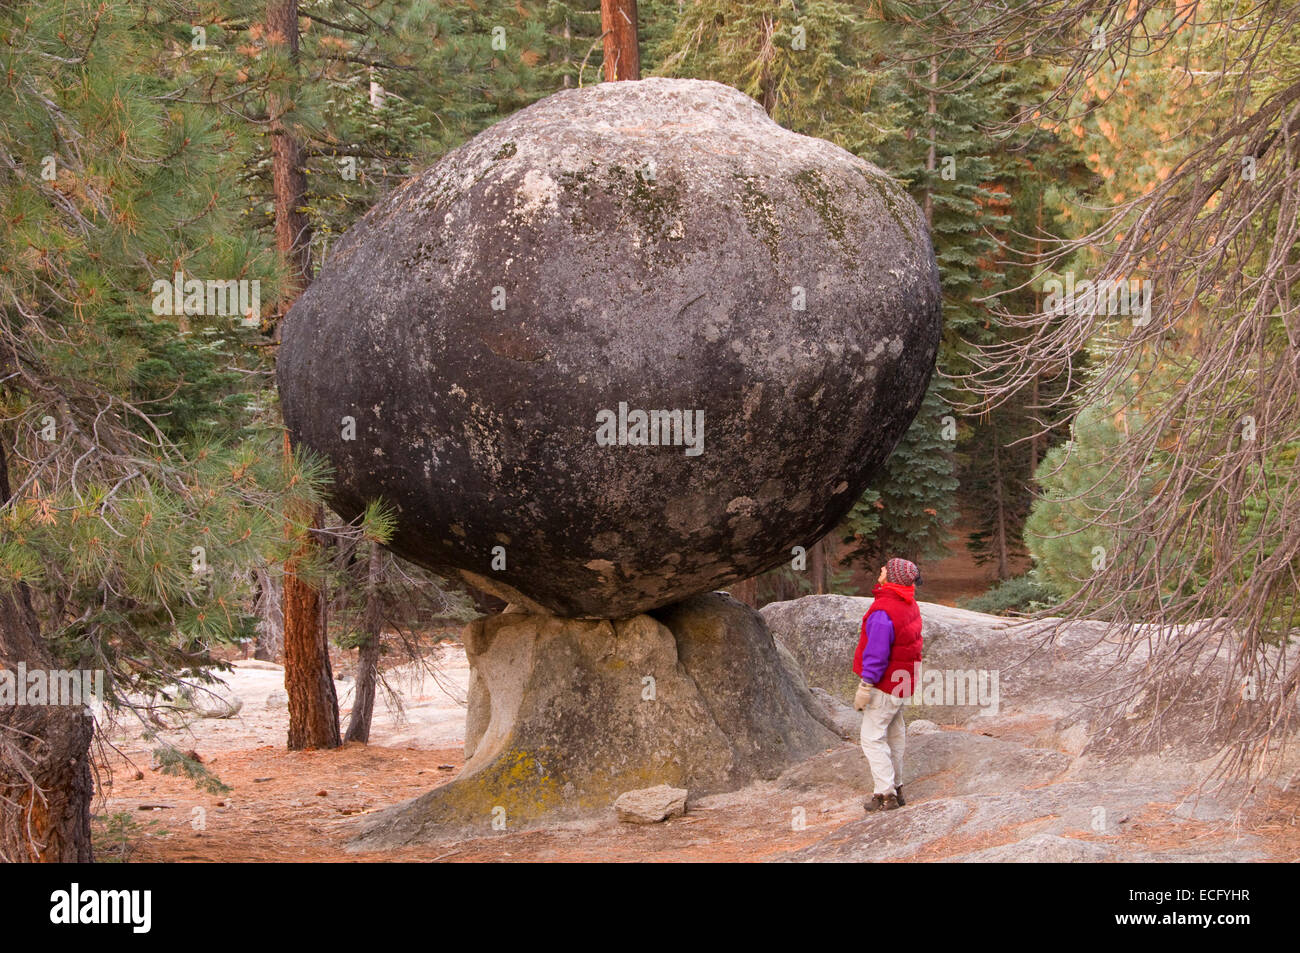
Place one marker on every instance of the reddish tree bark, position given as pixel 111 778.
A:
pixel 45 779
pixel 622 54
pixel 819 567
pixel 746 591
pixel 308 677
pixel 1000 537
pixel 292 228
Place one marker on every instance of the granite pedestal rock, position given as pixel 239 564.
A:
pixel 567 714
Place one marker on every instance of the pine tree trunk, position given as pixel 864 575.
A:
pixel 363 703
pixel 766 82
pixel 568 54
pixel 1001 532
pixel 818 559
pixel 45 780
pixel 622 53
pixel 313 704
pixel 269 609
pixel 292 228
pixel 1034 451
pixel 746 591
pixel 931 159
pixel 308 677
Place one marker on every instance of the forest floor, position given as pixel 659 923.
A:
pixel 304 806
pixel 279 805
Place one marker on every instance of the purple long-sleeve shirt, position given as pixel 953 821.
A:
pixel 880 642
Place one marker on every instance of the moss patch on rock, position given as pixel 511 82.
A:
pixel 820 196
pixel 759 211
pixel 892 197
pixel 653 203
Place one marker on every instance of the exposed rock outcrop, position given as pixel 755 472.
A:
pixel 1003 676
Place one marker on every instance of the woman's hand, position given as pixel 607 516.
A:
pixel 862 696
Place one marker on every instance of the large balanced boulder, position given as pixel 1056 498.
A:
pixel 629 344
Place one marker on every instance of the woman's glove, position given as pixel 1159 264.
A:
pixel 862 696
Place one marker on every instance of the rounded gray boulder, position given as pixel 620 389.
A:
pixel 630 344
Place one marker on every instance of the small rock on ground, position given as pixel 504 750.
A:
pixel 651 805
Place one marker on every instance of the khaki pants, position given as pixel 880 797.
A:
pixel 884 735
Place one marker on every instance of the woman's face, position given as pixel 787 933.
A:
pixel 882 574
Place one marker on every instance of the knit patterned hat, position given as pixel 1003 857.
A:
pixel 901 572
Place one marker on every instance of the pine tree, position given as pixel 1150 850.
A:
pixel 982 190
pixel 1068 541
pixel 905 511
pixel 815 68
pixel 142 482
pixel 135 438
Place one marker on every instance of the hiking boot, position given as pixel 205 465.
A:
pixel 898 793
pixel 881 802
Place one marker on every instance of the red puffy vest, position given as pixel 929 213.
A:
pixel 902 673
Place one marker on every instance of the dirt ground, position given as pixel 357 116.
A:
pixel 303 806
pixel 297 806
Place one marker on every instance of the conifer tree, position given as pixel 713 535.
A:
pixel 136 435
pixel 817 69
